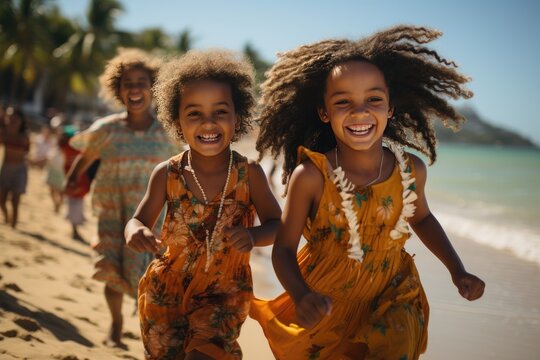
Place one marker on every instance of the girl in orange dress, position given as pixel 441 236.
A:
pixel 194 298
pixel 353 292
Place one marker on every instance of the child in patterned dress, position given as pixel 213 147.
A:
pixel 128 145
pixel 194 299
pixel 353 292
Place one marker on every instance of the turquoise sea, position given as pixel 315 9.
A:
pixel 490 195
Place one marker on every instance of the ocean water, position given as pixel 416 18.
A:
pixel 490 195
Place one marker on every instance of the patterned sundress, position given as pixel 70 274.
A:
pixel 127 160
pixel 379 302
pixel 182 307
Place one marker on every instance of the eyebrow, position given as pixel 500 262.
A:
pixel 214 104
pixel 376 88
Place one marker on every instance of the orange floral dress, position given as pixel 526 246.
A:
pixel 182 307
pixel 379 302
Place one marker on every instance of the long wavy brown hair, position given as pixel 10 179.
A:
pixel 419 80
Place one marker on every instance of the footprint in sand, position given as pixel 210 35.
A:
pixel 9 264
pixel 64 297
pixel 130 335
pixel 81 282
pixel 43 258
pixel 13 286
pixel 10 333
pixel 27 324
pixel 84 318
pixel 30 337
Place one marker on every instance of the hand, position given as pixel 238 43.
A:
pixel 143 240
pixel 469 286
pixel 311 309
pixel 240 238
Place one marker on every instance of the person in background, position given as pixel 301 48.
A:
pixel 128 145
pixel 14 171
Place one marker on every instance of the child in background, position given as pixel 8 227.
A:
pixel 75 197
pixel 194 299
pixel 353 292
pixel 14 171
pixel 129 145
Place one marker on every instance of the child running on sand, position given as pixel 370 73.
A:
pixel 194 299
pixel 128 145
pixel 14 171
pixel 353 292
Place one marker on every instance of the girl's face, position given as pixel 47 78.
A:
pixel 135 90
pixel 207 116
pixel 356 104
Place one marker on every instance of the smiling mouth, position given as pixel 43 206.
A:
pixel 136 100
pixel 360 129
pixel 209 138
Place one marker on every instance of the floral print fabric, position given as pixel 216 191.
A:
pixel 378 302
pixel 127 159
pixel 182 307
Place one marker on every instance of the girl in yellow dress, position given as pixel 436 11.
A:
pixel 194 299
pixel 353 292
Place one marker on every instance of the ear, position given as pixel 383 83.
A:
pixel 323 115
pixel 391 112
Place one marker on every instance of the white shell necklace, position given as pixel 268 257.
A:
pixel 346 192
pixel 211 238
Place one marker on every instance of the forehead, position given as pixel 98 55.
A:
pixel 136 73
pixel 357 73
pixel 207 88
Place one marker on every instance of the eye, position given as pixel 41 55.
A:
pixel 221 112
pixel 193 114
pixel 375 99
pixel 341 102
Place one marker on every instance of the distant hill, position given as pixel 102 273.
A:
pixel 478 131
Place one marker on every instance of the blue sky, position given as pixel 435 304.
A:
pixel 497 43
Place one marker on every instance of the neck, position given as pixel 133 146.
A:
pixel 209 164
pixel 367 161
pixel 139 121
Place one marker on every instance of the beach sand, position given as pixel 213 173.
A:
pixel 51 309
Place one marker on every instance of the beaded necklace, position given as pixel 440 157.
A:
pixel 209 240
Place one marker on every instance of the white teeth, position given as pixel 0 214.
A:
pixel 136 98
pixel 359 128
pixel 209 137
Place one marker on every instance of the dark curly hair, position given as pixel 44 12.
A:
pixel 418 79
pixel 127 59
pixel 217 65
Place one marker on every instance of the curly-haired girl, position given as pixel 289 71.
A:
pixel 194 299
pixel 353 292
pixel 128 146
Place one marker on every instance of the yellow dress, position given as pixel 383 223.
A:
pixel 181 306
pixel 379 302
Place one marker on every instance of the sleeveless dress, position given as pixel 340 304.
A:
pixel 127 159
pixel 181 306
pixel 379 302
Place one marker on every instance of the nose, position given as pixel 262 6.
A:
pixel 360 110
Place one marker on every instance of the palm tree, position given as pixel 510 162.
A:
pixel 83 55
pixel 260 65
pixel 24 43
pixel 185 41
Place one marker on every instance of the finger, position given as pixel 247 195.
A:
pixel 328 303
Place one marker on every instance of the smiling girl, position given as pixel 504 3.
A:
pixel 128 145
pixel 194 299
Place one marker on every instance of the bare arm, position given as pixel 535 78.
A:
pixel 79 166
pixel 137 232
pixel 305 189
pixel 431 233
pixel 268 211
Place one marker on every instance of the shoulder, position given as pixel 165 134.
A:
pixel 109 121
pixel 418 166
pixel 307 175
